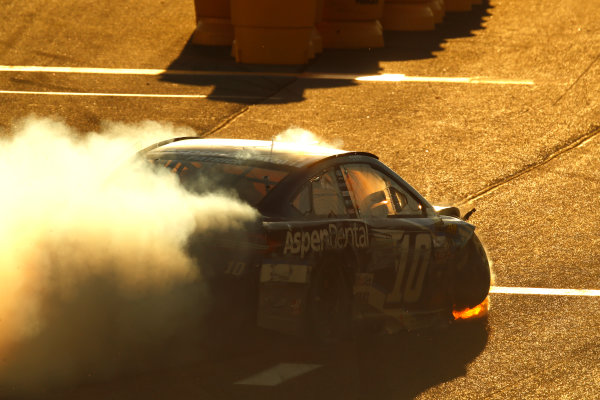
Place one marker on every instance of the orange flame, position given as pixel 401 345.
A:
pixel 477 311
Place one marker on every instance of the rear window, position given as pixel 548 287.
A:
pixel 212 174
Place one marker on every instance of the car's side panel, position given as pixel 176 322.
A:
pixel 402 276
pixel 398 265
pixel 302 246
pixel 399 268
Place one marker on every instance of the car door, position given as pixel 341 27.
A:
pixel 395 277
pixel 321 222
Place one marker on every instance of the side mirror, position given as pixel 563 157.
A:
pixel 448 211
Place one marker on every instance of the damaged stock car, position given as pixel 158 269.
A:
pixel 341 239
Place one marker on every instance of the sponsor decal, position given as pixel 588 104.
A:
pixel 413 252
pixel 334 236
pixel 282 272
pixel 235 268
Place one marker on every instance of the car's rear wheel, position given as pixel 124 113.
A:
pixel 329 304
pixel 472 276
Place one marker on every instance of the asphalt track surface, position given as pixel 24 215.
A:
pixel 517 137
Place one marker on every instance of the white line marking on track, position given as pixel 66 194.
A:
pixel 440 79
pixel 545 291
pixel 278 374
pixel 81 70
pixel 185 96
pixel 305 75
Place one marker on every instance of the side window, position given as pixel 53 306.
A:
pixel 323 196
pixel 404 203
pixel 302 202
pixel 326 196
pixel 376 194
pixel 368 190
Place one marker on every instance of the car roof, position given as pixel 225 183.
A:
pixel 274 152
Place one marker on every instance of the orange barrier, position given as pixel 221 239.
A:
pixel 213 25
pixel 439 10
pixel 273 31
pixel 408 15
pixel 458 5
pixel 316 38
pixel 351 24
pixel 293 31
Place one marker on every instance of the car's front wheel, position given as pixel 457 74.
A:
pixel 472 276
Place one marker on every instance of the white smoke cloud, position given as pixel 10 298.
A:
pixel 94 275
pixel 300 136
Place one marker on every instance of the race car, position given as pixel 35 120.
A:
pixel 341 239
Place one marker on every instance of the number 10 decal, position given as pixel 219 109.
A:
pixel 413 251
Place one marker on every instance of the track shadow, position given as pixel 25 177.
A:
pixel 403 366
pixel 369 367
pixel 252 84
pixel 399 366
pixel 214 66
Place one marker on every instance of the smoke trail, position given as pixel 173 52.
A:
pixel 302 136
pixel 93 271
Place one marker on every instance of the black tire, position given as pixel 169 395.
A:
pixel 329 305
pixel 472 276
